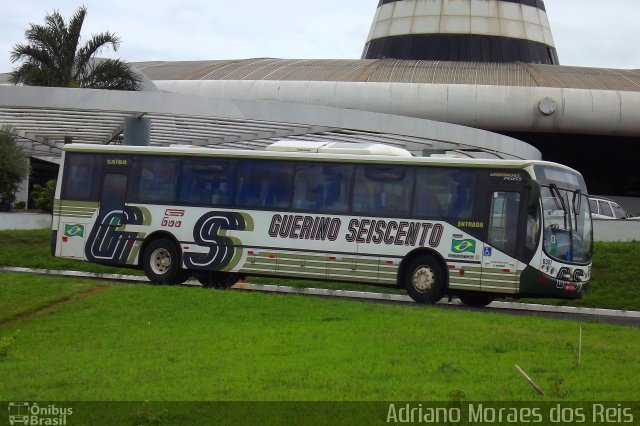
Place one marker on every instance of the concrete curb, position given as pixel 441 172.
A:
pixel 350 294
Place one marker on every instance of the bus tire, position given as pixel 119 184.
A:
pixel 161 263
pixel 218 280
pixel 478 300
pixel 424 280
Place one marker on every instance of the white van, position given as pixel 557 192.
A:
pixel 604 208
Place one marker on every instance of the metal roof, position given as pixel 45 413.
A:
pixel 397 71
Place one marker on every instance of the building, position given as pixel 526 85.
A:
pixel 488 64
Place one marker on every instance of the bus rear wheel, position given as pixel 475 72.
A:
pixel 424 280
pixel 216 279
pixel 161 263
pixel 478 300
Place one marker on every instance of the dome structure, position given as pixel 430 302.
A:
pixel 462 30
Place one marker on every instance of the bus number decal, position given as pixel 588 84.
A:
pixel 207 233
pixel 171 223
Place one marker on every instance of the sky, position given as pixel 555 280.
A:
pixel 602 34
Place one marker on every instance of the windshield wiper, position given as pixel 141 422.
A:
pixel 557 197
pixel 577 203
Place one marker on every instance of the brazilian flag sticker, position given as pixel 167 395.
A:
pixel 74 230
pixel 462 246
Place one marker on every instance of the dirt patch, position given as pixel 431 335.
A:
pixel 54 306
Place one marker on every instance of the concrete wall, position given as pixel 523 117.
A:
pixel 616 230
pixel 23 191
pixel 24 221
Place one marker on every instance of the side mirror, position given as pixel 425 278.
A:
pixel 533 186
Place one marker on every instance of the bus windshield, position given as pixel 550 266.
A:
pixel 567 219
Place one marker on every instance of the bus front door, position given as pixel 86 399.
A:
pixel 106 243
pixel 499 265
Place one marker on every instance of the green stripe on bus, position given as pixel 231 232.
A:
pixel 500 289
pixel 72 203
pixel 303 257
pixel 319 271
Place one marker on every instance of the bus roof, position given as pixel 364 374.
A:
pixel 190 150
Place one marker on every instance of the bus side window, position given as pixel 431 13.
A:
pixel 322 187
pixel 266 184
pixel 461 194
pixel 384 190
pixel 207 182
pixel 307 192
pixel 156 180
pixel 81 177
pixel 337 179
pixel 431 192
pixel 445 192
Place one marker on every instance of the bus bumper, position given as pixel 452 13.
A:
pixel 535 283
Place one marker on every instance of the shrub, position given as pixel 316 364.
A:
pixel 43 195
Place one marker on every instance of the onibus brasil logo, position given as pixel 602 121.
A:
pixel 27 413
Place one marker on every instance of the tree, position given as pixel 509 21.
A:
pixel 14 165
pixel 53 57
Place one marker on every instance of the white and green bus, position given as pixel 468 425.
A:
pixel 375 214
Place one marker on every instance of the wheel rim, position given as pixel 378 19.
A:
pixel 160 261
pixel 423 279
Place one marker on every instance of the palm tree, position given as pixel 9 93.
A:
pixel 52 57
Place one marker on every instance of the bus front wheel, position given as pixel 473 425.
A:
pixel 478 300
pixel 161 263
pixel 424 280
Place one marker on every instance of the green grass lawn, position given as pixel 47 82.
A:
pixel 614 285
pixel 99 341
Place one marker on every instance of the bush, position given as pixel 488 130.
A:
pixel 43 195
pixel 20 205
pixel 14 165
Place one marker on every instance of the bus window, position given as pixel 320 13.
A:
pixel 113 189
pixel 444 192
pixel 383 190
pixel 266 184
pixel 533 230
pixel 81 177
pixel 207 182
pixel 322 187
pixel 461 189
pixel 156 179
pixel 503 225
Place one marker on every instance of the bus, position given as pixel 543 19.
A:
pixel 476 229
